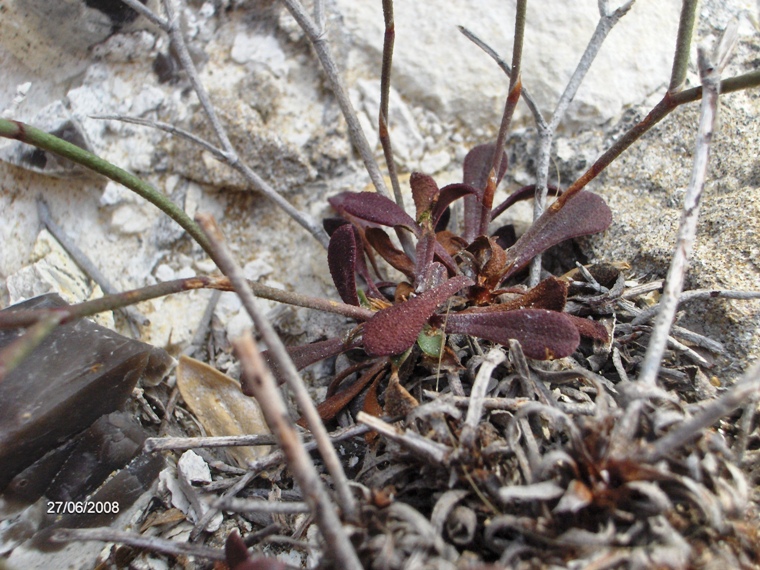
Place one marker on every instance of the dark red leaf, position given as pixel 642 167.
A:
pixel 550 294
pixel 425 253
pixel 334 404
pixel 341 259
pixel 443 221
pixel 383 245
pixel 424 192
pixel 590 328
pixel 477 166
pixel 543 335
pixel 505 236
pixel 361 264
pixel 450 242
pixel 490 258
pixel 524 193
pixel 447 195
pixel 332 224
pixel 235 550
pixel 307 354
pixel 583 214
pixel 373 208
pixel 393 330
pixel 443 256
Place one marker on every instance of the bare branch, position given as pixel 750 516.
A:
pixel 710 75
pixel 606 22
pixel 744 390
pixel 183 443
pixel 428 449
pixel 230 154
pixel 141 8
pixel 493 358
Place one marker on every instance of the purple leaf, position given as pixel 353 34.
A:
pixel 524 193
pixel 380 241
pixel 238 557
pixel 543 334
pixel 341 259
pixel 447 195
pixel 307 354
pixel 505 236
pixel 373 208
pixel 332 224
pixel 425 253
pixel 477 165
pixel 583 214
pixel 424 192
pixel 590 328
pixel 444 257
pixel 394 330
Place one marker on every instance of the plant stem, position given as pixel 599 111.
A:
pixel 23 318
pixel 659 112
pixel 513 96
pixel 710 76
pixel 385 89
pixel 36 137
pixel 606 22
pixel 683 45
pixel 385 139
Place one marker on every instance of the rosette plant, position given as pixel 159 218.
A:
pixel 452 282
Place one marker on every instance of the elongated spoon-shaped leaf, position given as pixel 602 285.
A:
pixel 397 259
pixel 583 214
pixel 477 166
pixel 307 354
pixel 373 208
pixel 448 194
pixel 544 335
pixel 341 259
pixel 394 330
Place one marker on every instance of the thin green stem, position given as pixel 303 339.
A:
pixel 40 139
pixel 683 45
